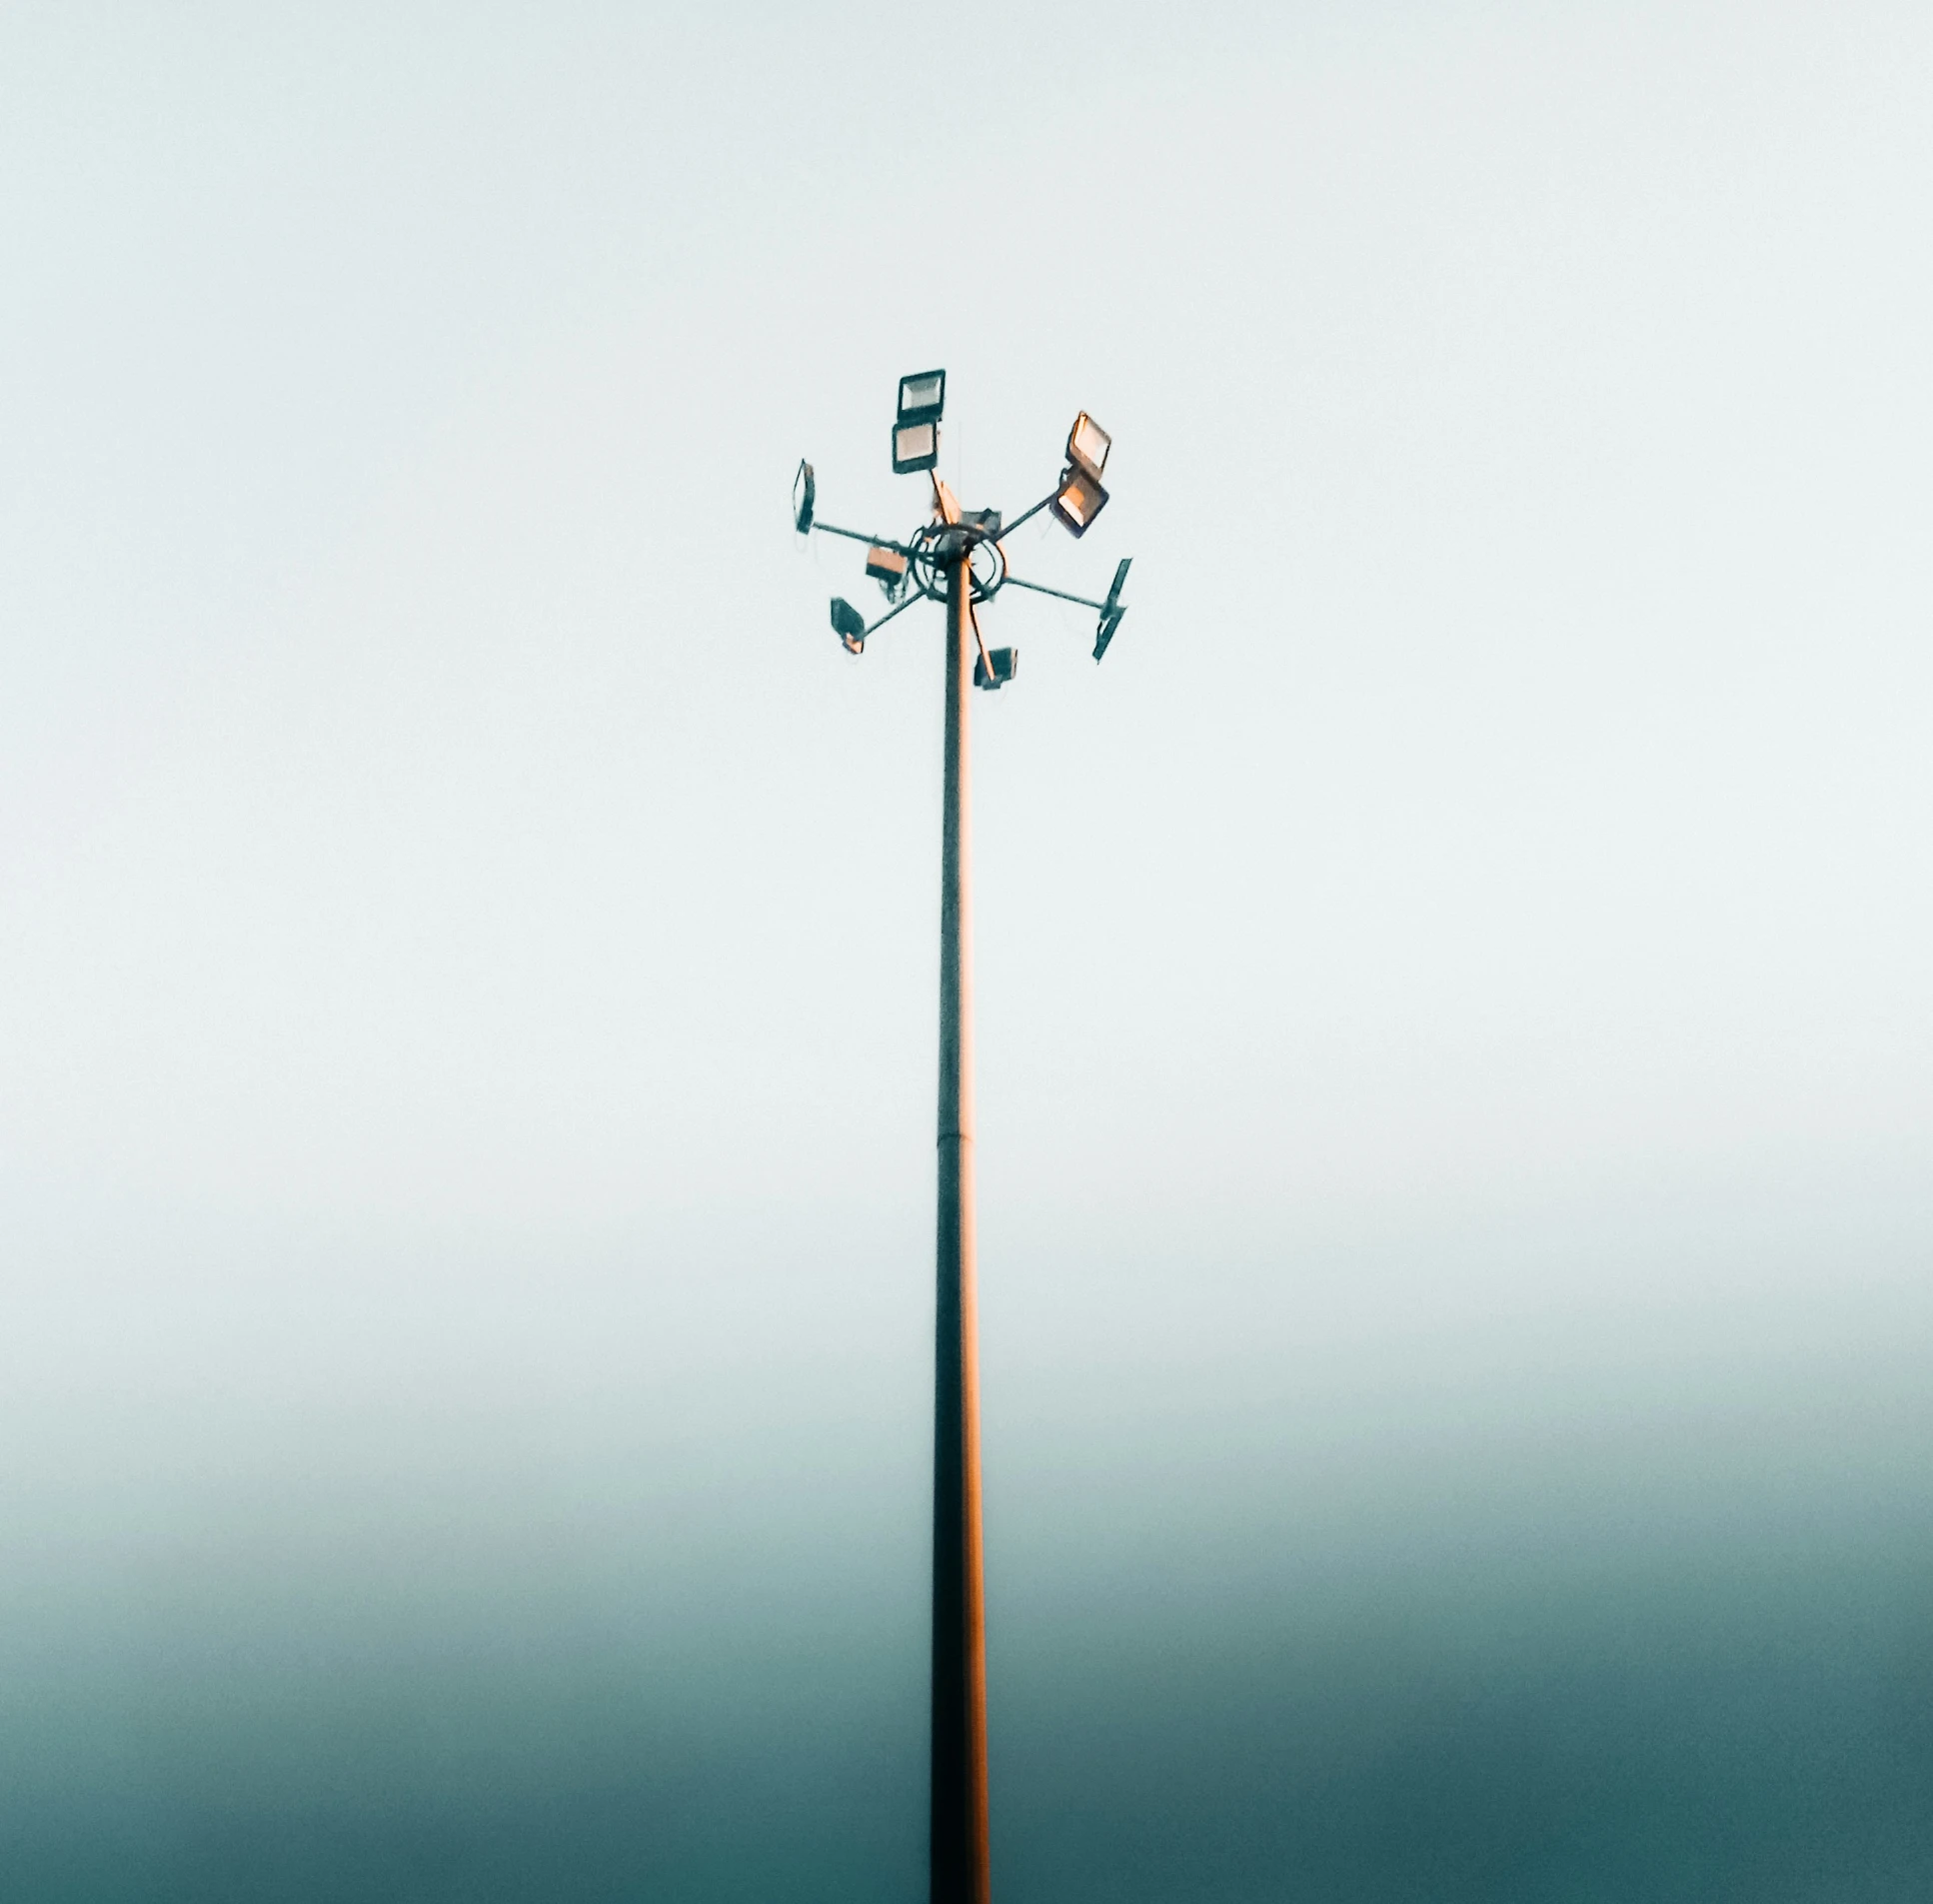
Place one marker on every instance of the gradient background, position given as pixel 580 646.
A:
pixel 1456 1128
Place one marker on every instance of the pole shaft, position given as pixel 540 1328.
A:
pixel 958 1846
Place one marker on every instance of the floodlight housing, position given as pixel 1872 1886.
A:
pixel 996 667
pixel 923 396
pixel 803 490
pixel 1088 446
pixel 886 566
pixel 1078 500
pixel 1111 610
pixel 849 625
pixel 915 446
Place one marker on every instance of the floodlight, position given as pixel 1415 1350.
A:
pixel 923 396
pixel 1088 446
pixel 801 498
pixel 850 624
pixel 886 566
pixel 996 667
pixel 1111 610
pixel 915 446
pixel 1078 501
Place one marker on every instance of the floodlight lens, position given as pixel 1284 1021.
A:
pixel 1079 501
pixel 915 446
pixel 1089 444
pixel 923 392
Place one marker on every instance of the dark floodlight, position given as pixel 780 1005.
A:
pixel 801 498
pixel 915 446
pixel 886 566
pixel 1111 610
pixel 849 625
pixel 1078 501
pixel 996 667
pixel 1088 446
pixel 923 396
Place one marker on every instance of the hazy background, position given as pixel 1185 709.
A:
pixel 1454 1034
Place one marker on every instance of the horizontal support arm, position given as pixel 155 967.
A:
pixel 855 535
pixel 1026 515
pixel 898 607
pixel 1041 588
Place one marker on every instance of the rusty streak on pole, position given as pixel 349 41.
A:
pixel 958 1848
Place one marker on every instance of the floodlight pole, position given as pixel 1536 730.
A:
pixel 957 1852
pixel 959 1841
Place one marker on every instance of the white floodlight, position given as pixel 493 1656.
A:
pixel 915 446
pixel 801 498
pixel 1078 501
pixel 923 396
pixel 1088 446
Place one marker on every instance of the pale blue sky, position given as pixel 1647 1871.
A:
pixel 432 795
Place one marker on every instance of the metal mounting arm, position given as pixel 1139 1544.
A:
pixel 1026 515
pixel 1111 610
pixel 898 607
pixel 855 535
pixel 980 640
pixel 1041 588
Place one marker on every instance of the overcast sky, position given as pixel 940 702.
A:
pixel 432 791
pixel 1475 924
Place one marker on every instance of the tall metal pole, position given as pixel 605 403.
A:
pixel 958 1851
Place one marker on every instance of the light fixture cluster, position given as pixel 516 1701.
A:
pixel 1080 498
pixel 916 432
pixel 917 568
